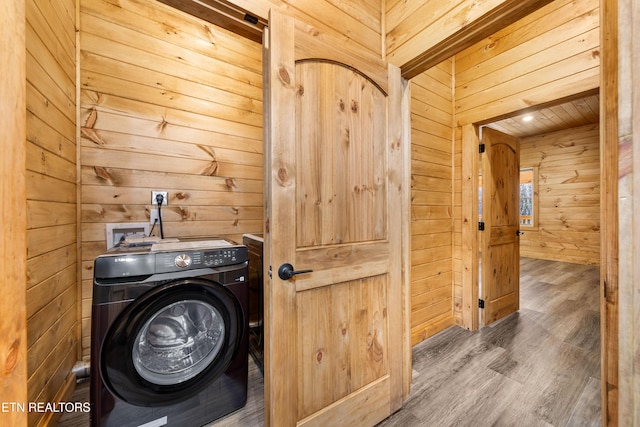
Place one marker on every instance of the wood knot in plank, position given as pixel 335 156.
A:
pixel 103 174
pixel 283 177
pixel 300 90
pixel 92 136
pixel 354 106
pixel 211 34
pixel 313 31
pixel 168 29
pixel 163 124
pixel 341 105
pixel 574 179
pixel 11 360
pixel 92 118
pixel 211 169
pixel 347 137
pixel 319 356
pixel 184 212
pixel 230 183
pixel 284 75
pixel 87 130
pixel 181 196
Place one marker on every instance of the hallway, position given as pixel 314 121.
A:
pixel 537 367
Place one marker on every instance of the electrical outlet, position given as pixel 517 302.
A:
pixel 153 216
pixel 165 196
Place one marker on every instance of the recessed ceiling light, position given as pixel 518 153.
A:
pixel 527 118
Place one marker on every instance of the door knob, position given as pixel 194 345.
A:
pixel 286 271
pixel 519 233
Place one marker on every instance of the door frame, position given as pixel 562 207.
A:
pixel 470 238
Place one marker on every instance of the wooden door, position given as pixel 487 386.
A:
pixel 500 241
pixel 335 337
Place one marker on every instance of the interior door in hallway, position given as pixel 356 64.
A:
pixel 500 241
pixel 335 332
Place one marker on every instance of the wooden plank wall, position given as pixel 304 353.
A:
pixel 551 54
pixel 421 34
pixel 431 201
pixel 13 244
pixel 51 201
pixel 568 177
pixel 357 23
pixel 168 102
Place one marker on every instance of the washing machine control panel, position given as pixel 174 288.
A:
pixel 189 260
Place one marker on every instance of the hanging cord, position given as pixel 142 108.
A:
pixel 153 227
pixel 159 200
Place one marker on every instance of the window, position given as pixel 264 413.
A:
pixel 528 193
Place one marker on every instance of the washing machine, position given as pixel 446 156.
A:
pixel 169 334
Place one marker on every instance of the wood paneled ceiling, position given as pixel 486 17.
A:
pixel 570 114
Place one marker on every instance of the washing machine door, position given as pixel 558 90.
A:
pixel 172 342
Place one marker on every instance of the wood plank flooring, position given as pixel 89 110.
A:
pixel 537 367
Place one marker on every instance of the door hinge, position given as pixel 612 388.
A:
pixel 481 148
pixel 481 226
pixel 481 303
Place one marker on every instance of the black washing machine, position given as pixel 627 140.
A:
pixel 169 334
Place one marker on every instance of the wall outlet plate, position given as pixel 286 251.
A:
pixel 153 215
pixel 165 196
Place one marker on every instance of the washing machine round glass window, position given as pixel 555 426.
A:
pixel 178 342
pixel 171 342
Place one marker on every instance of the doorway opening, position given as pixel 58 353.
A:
pixel 563 138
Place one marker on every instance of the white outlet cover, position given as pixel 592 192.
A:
pixel 165 195
pixel 116 230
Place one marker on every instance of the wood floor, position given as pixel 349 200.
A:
pixel 537 367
